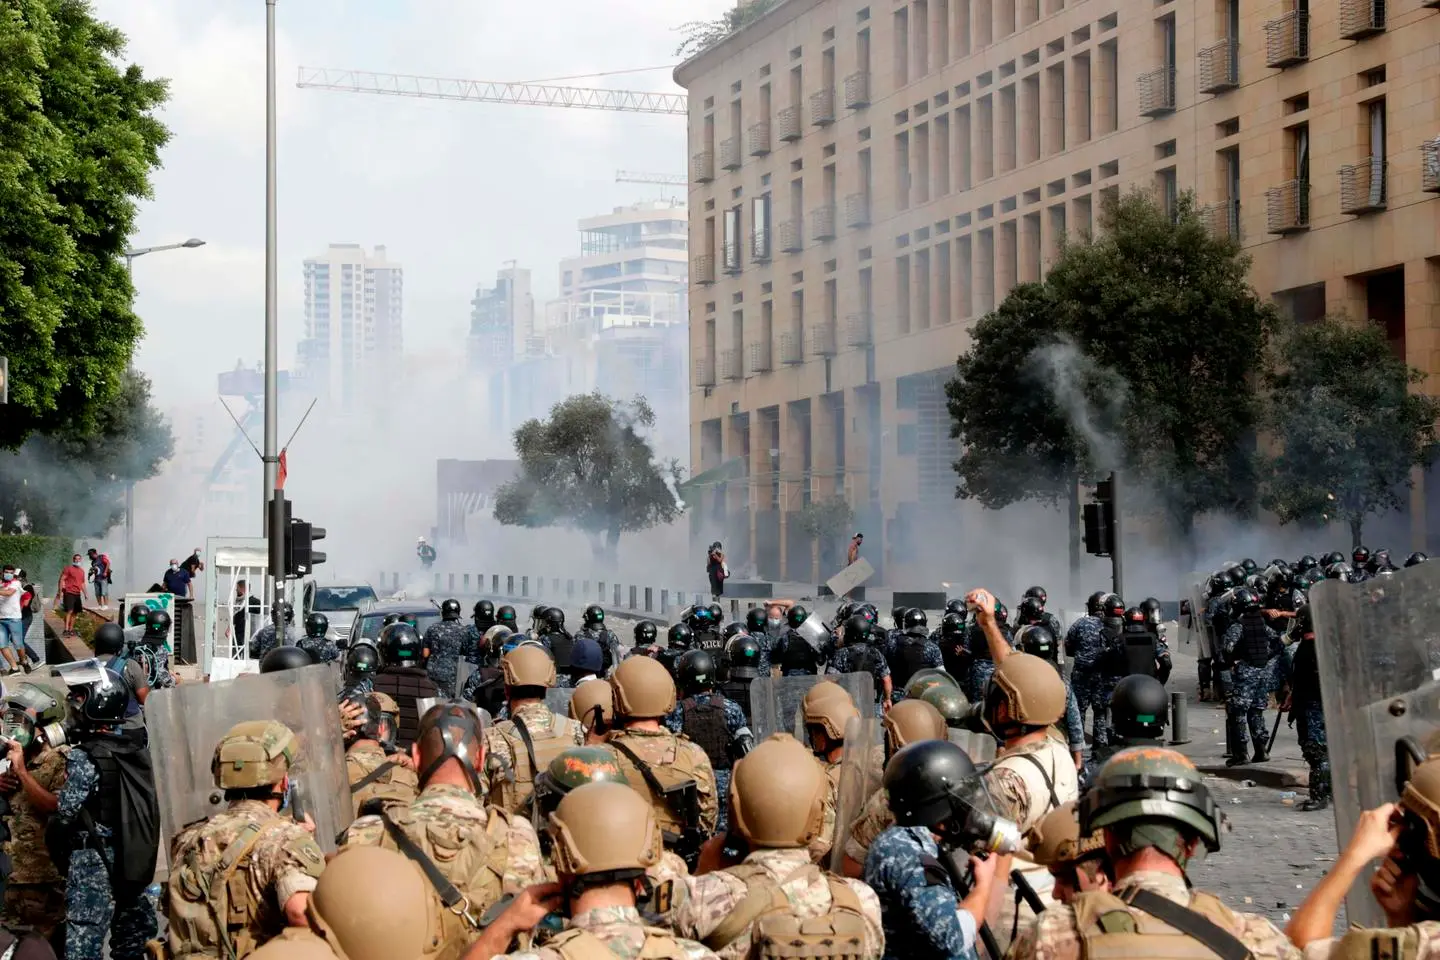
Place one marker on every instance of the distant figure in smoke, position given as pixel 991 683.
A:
pixel 717 570
pixel 853 554
pixel 425 552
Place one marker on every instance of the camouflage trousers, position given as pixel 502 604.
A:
pixel 38 907
pixel 1093 691
pixel 722 790
pixel 1249 695
pixel 977 678
pixel 1310 724
pixel 443 672
pixel 91 910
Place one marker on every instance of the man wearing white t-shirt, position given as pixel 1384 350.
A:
pixel 12 628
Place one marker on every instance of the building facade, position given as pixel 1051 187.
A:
pixel 499 317
pixel 870 178
pixel 354 321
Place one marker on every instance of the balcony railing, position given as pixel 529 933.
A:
pixel 730 256
pixel 857 90
pixel 1287 207
pixel 1362 186
pixel 730 153
pixel 857 210
pixel 759 357
pixel 702 166
pixel 704 371
pixel 760 246
pixel 1287 39
pixel 730 366
pixel 1361 18
pixel 1223 219
pixel 822 339
pixel 702 268
pixel 1217 67
pixel 822 107
pixel 858 330
pixel 792 237
pixel 788 122
pixel 822 222
pixel 790 349
pixel 1157 91
pixel 1430 166
pixel 760 138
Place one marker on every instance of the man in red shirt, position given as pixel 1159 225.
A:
pixel 71 592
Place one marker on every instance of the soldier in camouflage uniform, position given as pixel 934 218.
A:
pixel 524 744
pixel 779 793
pixel 1252 647
pixel 445 640
pixel 1155 810
pixel 484 851
pixel 250 847
pixel 1077 864
pixel 375 769
pixel 593 707
pixel 605 840
pixel 265 638
pixel 34 891
pixel 316 641
pixel 860 653
pixel 709 719
pixel 828 709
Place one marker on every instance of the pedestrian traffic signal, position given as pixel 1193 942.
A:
pixel 301 557
pixel 1099 519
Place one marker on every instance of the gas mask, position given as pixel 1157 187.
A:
pixel 974 826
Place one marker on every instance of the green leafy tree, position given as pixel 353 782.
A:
pixel 589 467
pixel 701 35
pixel 827 519
pixel 73 485
pixel 78 142
pixel 1162 301
pixel 1348 423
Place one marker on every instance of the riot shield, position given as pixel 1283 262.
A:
pixel 861 769
pixel 463 669
pixel 1193 631
pixel 1378 647
pixel 557 700
pixel 186 723
pixel 981 747
pixel 814 632
pixel 775 701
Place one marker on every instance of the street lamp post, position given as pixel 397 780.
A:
pixel 130 256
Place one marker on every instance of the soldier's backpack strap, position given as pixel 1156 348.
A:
pixel 450 895
pixel 1049 780
pixel 234 855
pixel 374 775
pixel 1189 922
pixel 653 782
pixel 761 896
pixel 525 738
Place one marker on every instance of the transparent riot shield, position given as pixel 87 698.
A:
pixel 814 632
pixel 1193 632
pixel 775 701
pixel 186 723
pixel 557 700
pixel 1378 647
pixel 861 769
pixel 463 669
pixel 981 747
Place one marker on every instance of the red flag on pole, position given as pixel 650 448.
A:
pixel 284 471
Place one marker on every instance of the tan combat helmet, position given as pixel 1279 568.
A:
pixel 1421 801
pixel 528 666
pixel 1056 841
pixel 592 695
pixel 357 924
pixel 829 706
pixel 643 689
pixel 1030 691
pixel 253 754
pixel 777 794
pixel 605 827
pixel 911 721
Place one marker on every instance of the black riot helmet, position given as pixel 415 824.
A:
pixel 316 625
pixel 1339 571
pixel 361 660
pixel 1140 707
pixel 680 636
pixel 732 629
pixel 537 612
pixel 915 618
pixel 1308 562
pixel 1235 574
pixel 952 626
pixel 287 612
pixel 1333 557
pixel 1112 607
pixel 506 615
pixel 286 658
pixel 1037 640
pixel 867 610
pixel 1030 610
pixel 157 625
pixel 954 605
pixel 553 620
pixel 717 612
pixel 1249 566
pixel 645 633
pixel 795 616
pixel 1246 600
pixel 1038 593
pixel 450 609
pixel 1416 558
pixel 1360 557
pixel 98 696
pixel 484 614
pixel 755 620
pixel 843 612
pixel 857 630
pixel 1380 559
pixel 1151 608
pixel 401 646
pixel 1002 612
pixel 933 783
pixel 594 615
pixel 1093 603
pixel 897 614
pixel 742 657
pixel 109 639
pixel 695 672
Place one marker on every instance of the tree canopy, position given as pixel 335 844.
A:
pixel 701 35
pixel 826 519
pixel 589 467
pixel 79 139
pixel 1347 424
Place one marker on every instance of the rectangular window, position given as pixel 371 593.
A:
pixel 1376 111
pixel 1167 41
pixel 921 25
pixel 1169 195
pixel 902 171
pixel 907 392
pixel 1300 152
pixel 760 217
pixel 905 439
pixel 942 155
pixel 732 239
pixel 902 294
pixel 902 47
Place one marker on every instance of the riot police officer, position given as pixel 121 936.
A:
pixel 796 655
pixel 317 640
pixel 403 676
pixel 445 641
pixel 1252 646
pixel 913 650
pixel 742 667
pixel 717 725
pixel 1139 711
pixel 858 653
pixel 594 629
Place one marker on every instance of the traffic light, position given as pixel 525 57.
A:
pixel 1100 520
pixel 301 557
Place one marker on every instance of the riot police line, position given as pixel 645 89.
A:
pixel 780 786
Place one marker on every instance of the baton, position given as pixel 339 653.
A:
pixel 1275 730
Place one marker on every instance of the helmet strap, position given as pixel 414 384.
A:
pixel 1168 839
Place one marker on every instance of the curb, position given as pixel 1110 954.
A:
pixel 1263 775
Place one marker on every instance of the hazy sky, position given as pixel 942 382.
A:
pixel 451 189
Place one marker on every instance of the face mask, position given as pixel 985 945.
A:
pixel 8 577
pixel 75 563
pixel 174 566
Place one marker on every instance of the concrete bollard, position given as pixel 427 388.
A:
pixel 555 584
pixel 452 582
pixel 437 582
pixel 617 594
pixel 1179 719
pixel 664 603
pixel 633 593
pixel 539 586
pixel 648 600
pixel 509 585
pixel 465 578
pixel 570 589
pixel 525 587
pixel 601 591
pixel 395 582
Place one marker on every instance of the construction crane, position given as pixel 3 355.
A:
pixel 664 179
pixel 486 91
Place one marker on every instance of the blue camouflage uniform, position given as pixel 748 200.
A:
pixel 919 911
pixel 323 649
pixel 472 647
pixel 930 656
pixel 156 661
pixel 735 724
pixel 444 640
pixel 854 659
pixel 1085 646
pixel 1306 709
pixel 90 909
pixel 982 668
pixel 264 640
pixel 1250 687
pixel 777 655
pixel 609 645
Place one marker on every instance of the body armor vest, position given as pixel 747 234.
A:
pixel 909 660
pixel 976 644
pixel 674 770
pixel 209 901
pixel 704 723
pixel 405 685
pixel 1305 674
pixel 1111 929
pixel 739 691
pixel 561 645
pixel 799 656
pixel 1139 650
pixel 387 782
pixel 767 918
pixel 1254 647
pixel 864 658
pixel 547 744
pixel 577 944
